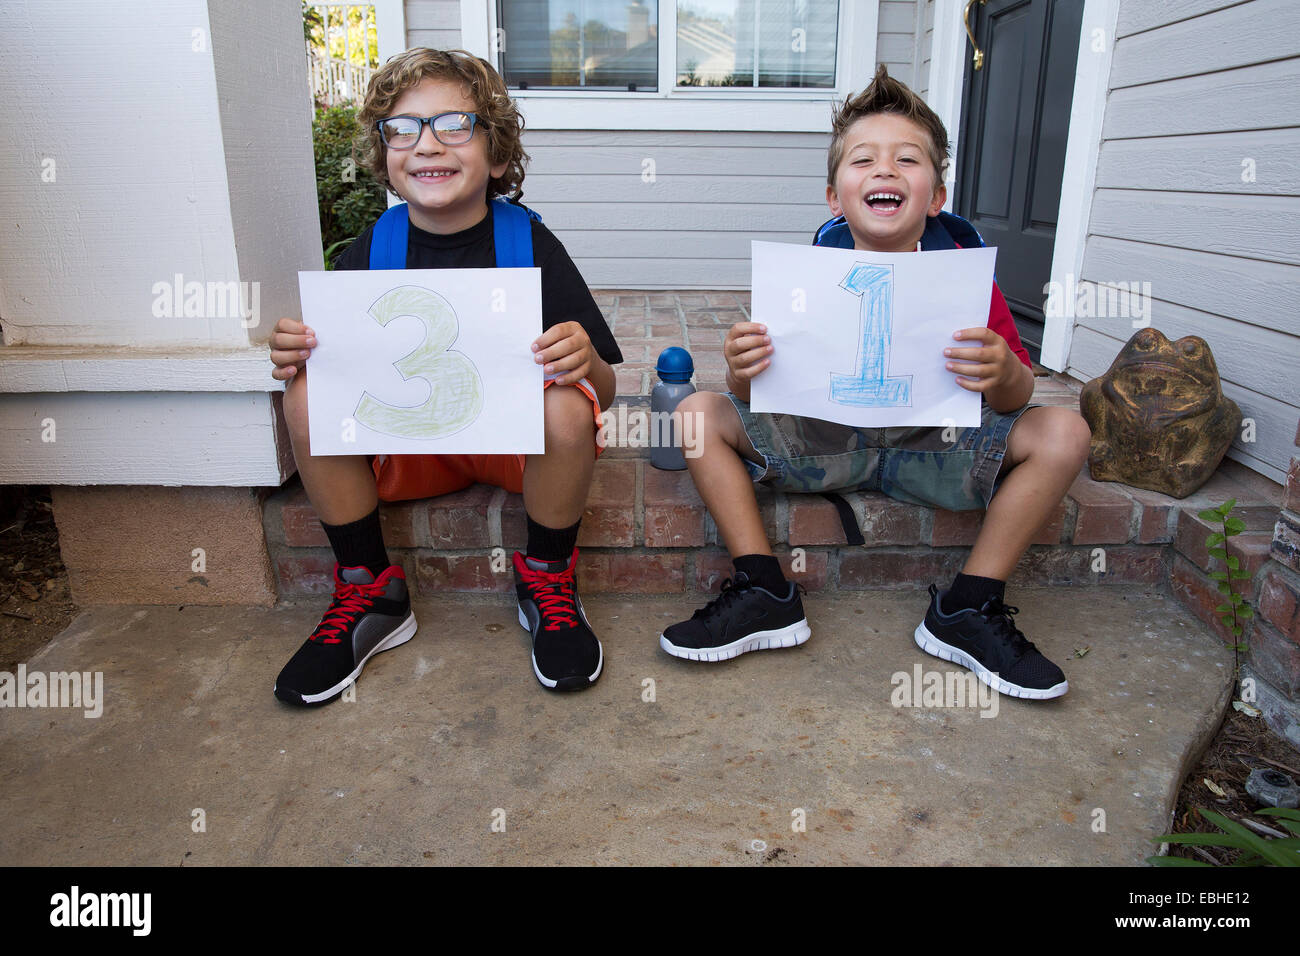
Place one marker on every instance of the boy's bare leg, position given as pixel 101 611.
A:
pixel 341 488
pixel 1045 450
pixel 556 482
pixel 749 613
pixel 720 475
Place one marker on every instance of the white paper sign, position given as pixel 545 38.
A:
pixel 858 337
pixel 424 361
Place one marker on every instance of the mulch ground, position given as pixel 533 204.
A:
pixel 1243 744
pixel 35 605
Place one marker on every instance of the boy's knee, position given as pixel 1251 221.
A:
pixel 569 422
pixel 696 401
pixel 1068 436
pixel 707 408
pixel 1079 436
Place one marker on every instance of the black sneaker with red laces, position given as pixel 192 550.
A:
pixel 366 616
pixel 566 653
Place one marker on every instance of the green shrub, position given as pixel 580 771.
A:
pixel 348 196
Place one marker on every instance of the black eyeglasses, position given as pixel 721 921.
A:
pixel 450 129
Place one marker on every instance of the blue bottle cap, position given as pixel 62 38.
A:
pixel 675 365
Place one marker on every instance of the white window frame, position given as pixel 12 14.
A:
pixel 693 108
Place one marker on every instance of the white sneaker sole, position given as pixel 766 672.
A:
pixel 789 636
pixel 932 645
pixel 400 635
pixel 546 681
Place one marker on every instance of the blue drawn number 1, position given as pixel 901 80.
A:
pixel 868 385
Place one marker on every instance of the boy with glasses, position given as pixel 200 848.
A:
pixel 438 128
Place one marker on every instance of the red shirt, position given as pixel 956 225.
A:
pixel 1000 321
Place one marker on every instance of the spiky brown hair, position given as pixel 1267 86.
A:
pixel 884 94
pixel 497 114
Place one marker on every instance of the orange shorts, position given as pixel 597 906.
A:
pixel 401 477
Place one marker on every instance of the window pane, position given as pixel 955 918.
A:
pixel 753 43
pixel 580 44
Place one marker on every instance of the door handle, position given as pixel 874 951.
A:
pixel 978 60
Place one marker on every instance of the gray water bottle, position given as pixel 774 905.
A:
pixel 675 369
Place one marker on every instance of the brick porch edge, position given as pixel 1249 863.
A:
pixel 646 531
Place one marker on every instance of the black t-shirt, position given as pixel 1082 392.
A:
pixel 565 296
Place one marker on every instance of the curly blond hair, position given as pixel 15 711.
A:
pixel 498 116
pixel 884 94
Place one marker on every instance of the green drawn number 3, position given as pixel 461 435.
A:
pixel 455 388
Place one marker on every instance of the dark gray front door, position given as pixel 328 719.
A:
pixel 1011 152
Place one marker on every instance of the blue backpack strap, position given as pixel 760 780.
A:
pixel 947 231
pixel 834 233
pixel 511 226
pixel 512 234
pixel 388 239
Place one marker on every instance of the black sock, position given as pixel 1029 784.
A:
pixel 359 543
pixel 970 591
pixel 764 571
pixel 551 544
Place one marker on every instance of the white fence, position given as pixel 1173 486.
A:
pixel 333 80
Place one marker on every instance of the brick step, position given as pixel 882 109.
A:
pixel 647 531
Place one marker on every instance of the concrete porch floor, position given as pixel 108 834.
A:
pixel 451 728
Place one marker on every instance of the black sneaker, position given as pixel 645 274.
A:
pixel 566 654
pixel 988 642
pixel 743 617
pixel 365 617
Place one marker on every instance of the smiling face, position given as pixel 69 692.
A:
pixel 445 186
pixel 885 184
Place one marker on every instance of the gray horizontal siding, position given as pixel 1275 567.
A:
pixel 1253 97
pixel 1242 290
pixel 1198 86
pixel 1253 227
pixel 896 38
pixel 432 15
pixel 433 23
pixel 1223 40
pixel 1209 163
pixel 434 39
pixel 1150 14
pixel 712 194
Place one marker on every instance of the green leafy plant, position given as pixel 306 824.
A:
pixel 348 197
pixel 1234 611
pixel 1256 850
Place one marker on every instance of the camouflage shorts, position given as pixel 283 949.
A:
pixel 910 464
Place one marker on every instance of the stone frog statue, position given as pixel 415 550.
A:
pixel 1158 416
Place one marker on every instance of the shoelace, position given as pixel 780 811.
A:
pixel 1002 617
pixel 350 601
pixel 728 594
pixel 553 592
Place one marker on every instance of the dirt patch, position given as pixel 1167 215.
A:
pixel 1243 744
pixel 35 603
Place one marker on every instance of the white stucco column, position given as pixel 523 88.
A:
pixel 157 199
